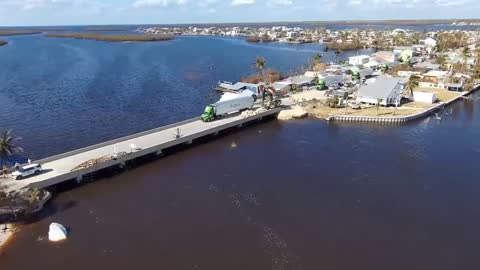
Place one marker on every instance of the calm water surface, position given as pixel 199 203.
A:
pixel 62 94
pixel 291 195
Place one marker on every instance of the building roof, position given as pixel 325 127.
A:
pixel 436 73
pixel 427 65
pixel 334 79
pixel 238 86
pixel 300 79
pixel 378 88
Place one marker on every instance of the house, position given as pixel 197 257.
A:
pixel 239 87
pixel 428 66
pixel 384 57
pixel 434 78
pixel 282 86
pixel 358 60
pixel 457 87
pixel 387 90
pixel 301 81
pixel 292 34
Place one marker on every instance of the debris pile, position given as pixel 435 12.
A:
pixel 92 162
pixel 249 113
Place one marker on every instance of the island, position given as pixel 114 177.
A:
pixel 112 38
pixel 107 29
pixel 15 32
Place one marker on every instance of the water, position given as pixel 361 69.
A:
pixel 62 94
pixel 292 195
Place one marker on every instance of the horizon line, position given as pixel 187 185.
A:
pixel 329 22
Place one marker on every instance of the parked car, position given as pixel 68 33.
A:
pixel 27 170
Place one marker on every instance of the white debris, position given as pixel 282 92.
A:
pixel 249 113
pixel 295 112
pixel 57 232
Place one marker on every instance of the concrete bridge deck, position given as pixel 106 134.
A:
pixel 61 167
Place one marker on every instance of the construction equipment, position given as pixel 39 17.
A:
pixel 321 85
pixel 270 94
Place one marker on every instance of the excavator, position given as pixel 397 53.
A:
pixel 268 94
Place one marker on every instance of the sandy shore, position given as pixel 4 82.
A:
pixel 6 234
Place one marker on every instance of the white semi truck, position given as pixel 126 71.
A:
pixel 229 103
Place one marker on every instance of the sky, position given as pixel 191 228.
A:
pixel 103 12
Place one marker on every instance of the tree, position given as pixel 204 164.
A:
pixel 337 53
pixel 412 83
pixel 465 54
pixel 317 59
pixel 442 60
pixel 260 64
pixel 476 69
pixel 8 147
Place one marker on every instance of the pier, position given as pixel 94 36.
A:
pixel 64 167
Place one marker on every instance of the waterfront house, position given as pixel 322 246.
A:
pixel 239 87
pixel 301 81
pixel 457 87
pixel 434 78
pixel 358 60
pixel 283 86
pixel 384 57
pixel 387 90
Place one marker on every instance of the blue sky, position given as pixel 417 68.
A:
pixel 87 12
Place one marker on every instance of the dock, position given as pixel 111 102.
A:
pixel 64 167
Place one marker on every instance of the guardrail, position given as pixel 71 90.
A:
pixel 114 141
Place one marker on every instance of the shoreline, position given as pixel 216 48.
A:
pixel 399 119
pixel 6 236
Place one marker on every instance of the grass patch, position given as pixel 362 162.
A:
pixel 442 94
pixel 112 38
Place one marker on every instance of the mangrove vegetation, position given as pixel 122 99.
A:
pixel 112 38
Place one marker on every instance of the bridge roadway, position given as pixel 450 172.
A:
pixel 60 168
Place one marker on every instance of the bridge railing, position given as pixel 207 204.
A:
pixel 114 141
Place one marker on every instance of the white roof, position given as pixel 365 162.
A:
pixel 380 87
pixel 436 73
pixel 359 57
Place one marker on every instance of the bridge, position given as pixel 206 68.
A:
pixel 67 166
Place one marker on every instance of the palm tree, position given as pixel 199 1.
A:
pixel 317 59
pixel 412 83
pixel 260 64
pixel 466 54
pixel 8 147
pixel 337 53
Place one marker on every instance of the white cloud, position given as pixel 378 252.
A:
pixel 280 2
pixel 149 3
pixel 242 2
pixel 211 10
pixel 158 3
pixel 354 2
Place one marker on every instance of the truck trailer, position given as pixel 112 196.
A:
pixel 229 103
